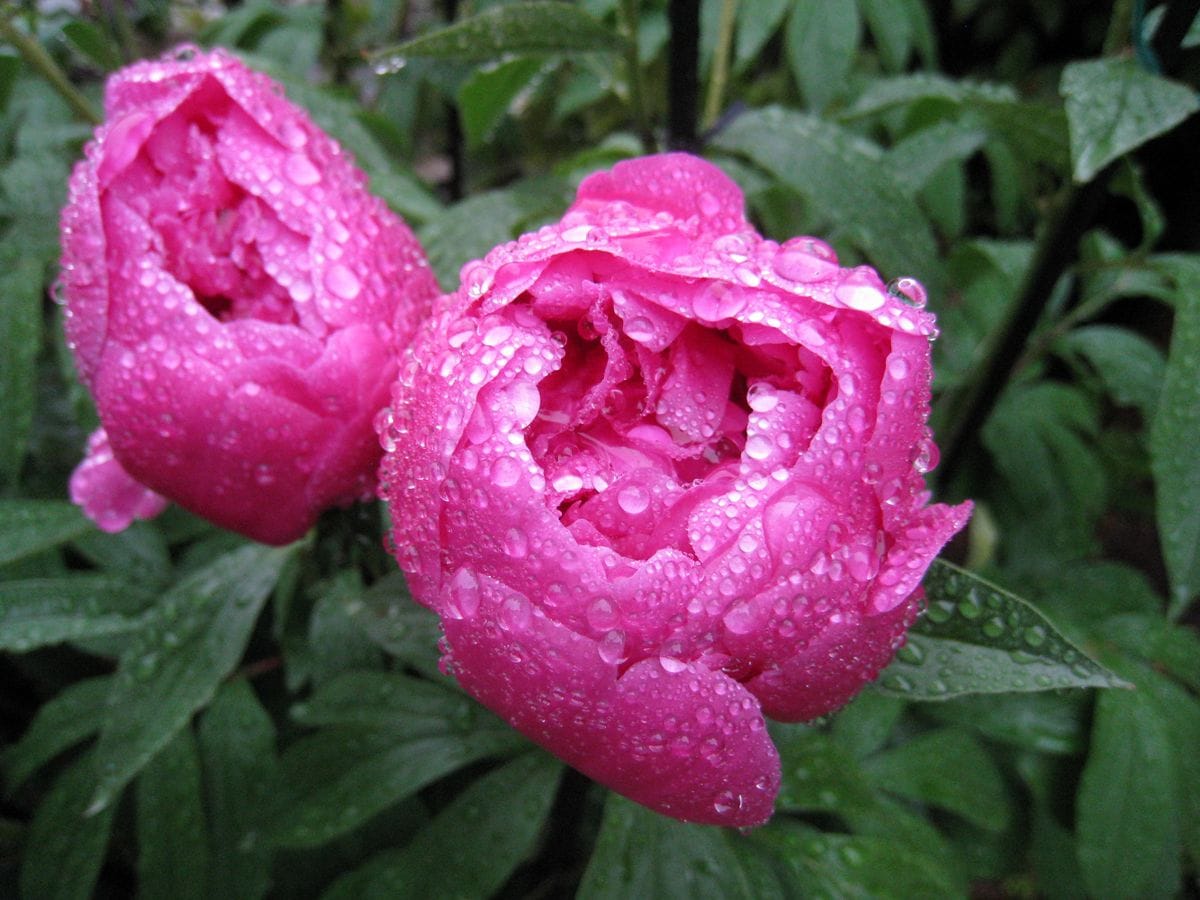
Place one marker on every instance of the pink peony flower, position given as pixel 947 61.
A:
pixel 234 300
pixel 660 477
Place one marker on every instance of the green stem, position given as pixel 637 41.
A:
pixel 1118 36
pixel 720 71
pixel 38 59
pixel 633 67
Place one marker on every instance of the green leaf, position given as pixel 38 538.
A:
pixel 891 27
pixel 40 611
pixel 917 158
pixel 20 338
pixel 756 23
pixel 1114 106
pixel 949 769
pixel 237 747
pixel 856 868
pixel 93 43
pixel 73 715
pixel 817 776
pixel 642 854
pixel 400 625
pixel 31 526
pixel 338 778
pixel 1169 647
pixel 64 847
pixel 865 724
pixel 468 230
pixel 390 700
pixel 171 834
pixel 139 553
pixel 1175 443
pixel 174 666
pixel 1126 807
pixel 1130 366
pixel 523 28
pixel 976 638
pixel 473 845
pixel 821 40
pixel 843 179
pixel 1042 437
pixel 335 642
pixel 486 97
pixel 1050 722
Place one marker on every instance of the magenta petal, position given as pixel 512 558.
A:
pixel 682 740
pixel 106 492
pixel 235 298
pixel 657 473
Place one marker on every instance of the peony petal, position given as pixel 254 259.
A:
pixel 106 492
pixel 683 740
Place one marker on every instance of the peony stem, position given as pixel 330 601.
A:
pixel 720 69
pixel 38 59
pixel 633 69
pixel 683 57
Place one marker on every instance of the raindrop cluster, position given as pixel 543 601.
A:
pixel 235 302
pixel 662 478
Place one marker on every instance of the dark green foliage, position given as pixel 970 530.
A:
pixel 187 715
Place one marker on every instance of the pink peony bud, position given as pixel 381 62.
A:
pixel 234 300
pixel 660 477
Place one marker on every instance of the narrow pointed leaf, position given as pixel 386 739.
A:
pixel 846 181
pixel 976 638
pixel 537 27
pixel 40 611
pixel 20 338
pixel 64 846
pixel 175 665
pixel 31 526
pixel 642 854
pixel 1174 439
pixel 76 713
pixel 472 846
pixel 171 834
pixel 237 748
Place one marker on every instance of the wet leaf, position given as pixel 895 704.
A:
pixel 472 846
pixel 64 847
pixel 535 27
pixel 174 666
pixel 642 854
pixel 237 748
pixel 976 638
pixel 31 526
pixel 171 834
pixel 1174 439
pixel 41 611
pixel 20 337
pixel 1114 106
pixel 842 177
pixel 76 713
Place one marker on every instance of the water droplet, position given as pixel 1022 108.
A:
pixel 611 647
pixel 515 613
pixel 1035 636
pixel 805 260
pixel 633 499
pixel 759 446
pixel 516 544
pixel 342 282
pixel 506 472
pixel 464 594
pixel 909 291
pixel 300 169
pixel 639 329
pixel 709 204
